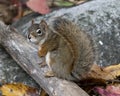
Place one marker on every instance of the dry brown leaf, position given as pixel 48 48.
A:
pixel 113 70
pixel 18 89
pixel 103 79
pixel 107 73
pixel 98 72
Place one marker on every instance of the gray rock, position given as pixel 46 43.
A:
pixel 100 18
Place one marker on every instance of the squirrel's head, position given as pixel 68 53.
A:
pixel 37 32
pixel 43 35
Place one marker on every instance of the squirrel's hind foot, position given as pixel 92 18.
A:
pixel 49 74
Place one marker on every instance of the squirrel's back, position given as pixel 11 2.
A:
pixel 80 44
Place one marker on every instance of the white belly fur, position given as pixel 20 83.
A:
pixel 47 58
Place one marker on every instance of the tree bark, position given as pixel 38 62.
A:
pixel 25 54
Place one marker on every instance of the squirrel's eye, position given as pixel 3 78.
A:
pixel 39 32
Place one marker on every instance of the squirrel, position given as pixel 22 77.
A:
pixel 68 51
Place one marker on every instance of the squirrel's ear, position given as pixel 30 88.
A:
pixel 43 24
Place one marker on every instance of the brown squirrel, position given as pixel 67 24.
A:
pixel 69 52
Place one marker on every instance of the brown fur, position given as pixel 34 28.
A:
pixel 71 51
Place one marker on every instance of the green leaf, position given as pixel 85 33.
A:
pixel 61 3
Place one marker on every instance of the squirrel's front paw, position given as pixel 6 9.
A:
pixel 42 51
pixel 49 74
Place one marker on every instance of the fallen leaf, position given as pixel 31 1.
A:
pixel 108 91
pixel 18 89
pixel 39 6
pixel 106 73
pixel 62 3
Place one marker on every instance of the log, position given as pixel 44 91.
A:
pixel 25 54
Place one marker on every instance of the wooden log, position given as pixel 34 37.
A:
pixel 25 54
